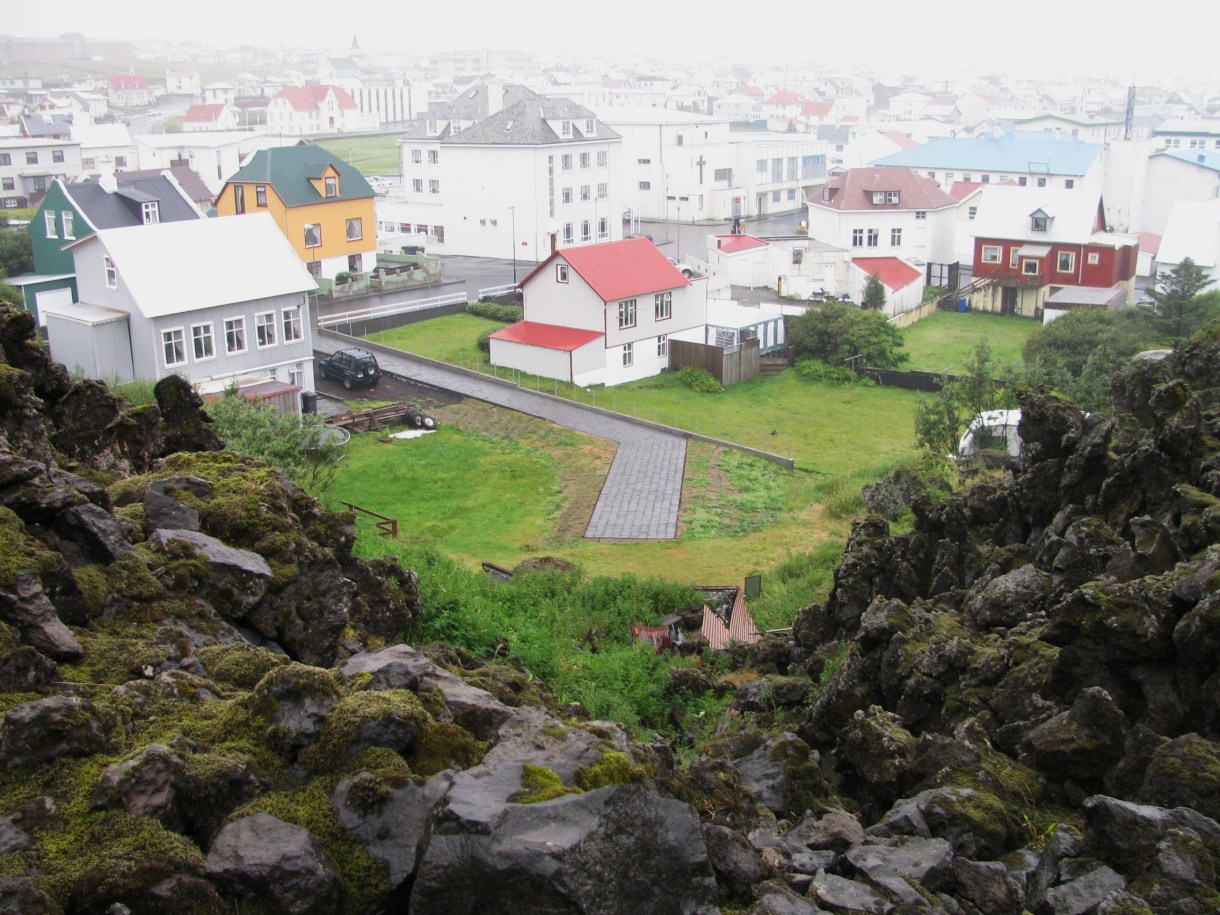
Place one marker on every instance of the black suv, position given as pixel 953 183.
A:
pixel 354 367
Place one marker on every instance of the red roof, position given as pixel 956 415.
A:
pixel 310 98
pixel 900 139
pixel 619 269
pixel 753 91
pixel 816 109
pixel 548 336
pixel 204 113
pixel 130 81
pixel 741 627
pixel 893 272
pixel 1150 242
pixel 853 190
pixel 783 98
pixel 732 244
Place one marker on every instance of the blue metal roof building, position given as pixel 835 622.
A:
pixel 1065 156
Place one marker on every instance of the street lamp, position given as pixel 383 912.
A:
pixel 513 211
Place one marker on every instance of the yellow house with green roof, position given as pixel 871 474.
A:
pixel 323 206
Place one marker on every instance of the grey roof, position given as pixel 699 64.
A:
pixel 526 124
pixel 190 182
pixel 105 210
pixel 473 104
pixel 46 125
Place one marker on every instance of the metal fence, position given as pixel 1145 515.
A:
pixel 360 320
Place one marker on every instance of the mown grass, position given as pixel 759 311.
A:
pixel 945 341
pixel 372 155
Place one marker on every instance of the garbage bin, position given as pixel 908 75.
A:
pixel 962 306
pixel 309 401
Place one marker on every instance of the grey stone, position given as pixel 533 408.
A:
pixel 237 579
pixel 164 511
pixel 38 731
pixel 738 867
pixel 927 861
pixel 840 894
pixel 1007 599
pixel 99 533
pixel 1084 894
pixel 274 861
pixel 27 607
pixel 780 900
pixel 145 785
pixel 12 836
pixel 988 886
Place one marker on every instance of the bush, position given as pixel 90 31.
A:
pixel 484 342
pixel 817 370
pixel 701 381
pixel 344 277
pixel 505 314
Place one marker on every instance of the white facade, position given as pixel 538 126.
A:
pixel 214 156
pixel 1174 177
pixel 920 236
pixel 29 165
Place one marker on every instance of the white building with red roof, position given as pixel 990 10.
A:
pixel 903 282
pixel 209 117
pixel 885 211
pixel 602 314
pixel 129 91
pixel 310 110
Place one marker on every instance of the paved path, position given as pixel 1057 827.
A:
pixel 640 497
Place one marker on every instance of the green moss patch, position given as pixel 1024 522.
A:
pixel 538 783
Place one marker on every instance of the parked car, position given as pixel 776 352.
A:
pixel 353 367
pixel 685 269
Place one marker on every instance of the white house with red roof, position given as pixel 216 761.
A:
pixel 885 211
pixel 794 267
pixel 903 282
pixel 602 314
pixel 781 109
pixel 209 117
pixel 308 110
pixel 129 91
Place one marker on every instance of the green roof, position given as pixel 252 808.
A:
pixel 289 169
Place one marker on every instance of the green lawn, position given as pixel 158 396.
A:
pixel 945 341
pixel 375 155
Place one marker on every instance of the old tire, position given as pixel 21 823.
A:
pixel 347 382
pixel 428 422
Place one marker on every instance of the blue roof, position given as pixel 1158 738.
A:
pixel 1066 156
pixel 1195 157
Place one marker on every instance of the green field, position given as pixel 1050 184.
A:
pixel 372 155
pixel 945 341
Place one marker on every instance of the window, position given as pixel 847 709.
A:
pixel 1093 259
pixel 986 179
pixel 260 194
pixel 761 166
pixel 584 160
pixel 434 157
pixel 791 194
pixel 6 159
pixel 201 342
pixel 434 185
pixel 585 193
pixel 1022 180
pixel 292 325
pixel 235 331
pixel 417 157
pixel 567 233
pixel 1041 182
pixel 775 196
pixel 314 268
pixel 355 229
pixel 1069 183
pixel 65 218
pixel 173 346
pixel 921 214
pixel 1039 222
pixel 857 238
pixel 602 190
pixel 645 185
pixel 239 199
pixel 601 158
pixel 967 177
pixel 948 177
pixel 355 263
pixel 417 185
pixel 1029 267
pixel 603 227
pixel 57 155
pixel 438 232
pixel 664 306
pixel 31 158
pixel 112 273
pixel 1014 258
pixel 626 313
pixel 971 212
pixel 586 230
pixel 723 174
pixel 9 185
pixel 628 355
pixel 332 186
pixel 663 346
pixel 874 237
pixel 264 329
pixel 885 197
pixel 895 238
pixel 991 254
pixel 1067 262
pixel 152 212
pixel 561 273
pixel 777 169
pixel 49 218
pixel 643 161
pixel 313 235
pixel 567 195
pixel 589 127
pixel 565 128
pixel 565 162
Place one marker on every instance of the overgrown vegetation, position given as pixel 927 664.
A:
pixel 941 419
pixel 1180 302
pixel 505 314
pixel 699 380
pixel 836 332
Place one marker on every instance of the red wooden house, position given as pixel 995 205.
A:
pixel 1031 242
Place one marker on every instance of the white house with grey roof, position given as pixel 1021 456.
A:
pixel 503 172
pixel 213 300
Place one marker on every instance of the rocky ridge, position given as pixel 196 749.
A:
pixel 207 704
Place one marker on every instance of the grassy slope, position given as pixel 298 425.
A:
pixel 375 155
pixel 944 341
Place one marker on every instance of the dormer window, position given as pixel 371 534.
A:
pixel 826 193
pixel 332 186
pixel 1039 221
pixel 589 128
pixel 151 212
pixel 433 128
pixel 565 128
pixel 885 197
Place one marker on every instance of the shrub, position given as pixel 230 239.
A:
pixel 505 314
pixel 484 342
pixel 344 277
pixel 701 381
pixel 817 370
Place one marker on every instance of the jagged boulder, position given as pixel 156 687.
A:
pixel 28 608
pixel 1184 772
pixel 275 862
pixel 187 425
pixel 145 785
pixel 38 731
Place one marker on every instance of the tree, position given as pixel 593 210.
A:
pixel 941 419
pixel 836 332
pixel 16 252
pixel 303 447
pixel 1177 300
pixel 874 294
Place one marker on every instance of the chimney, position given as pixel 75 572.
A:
pixel 495 98
pixel 109 182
